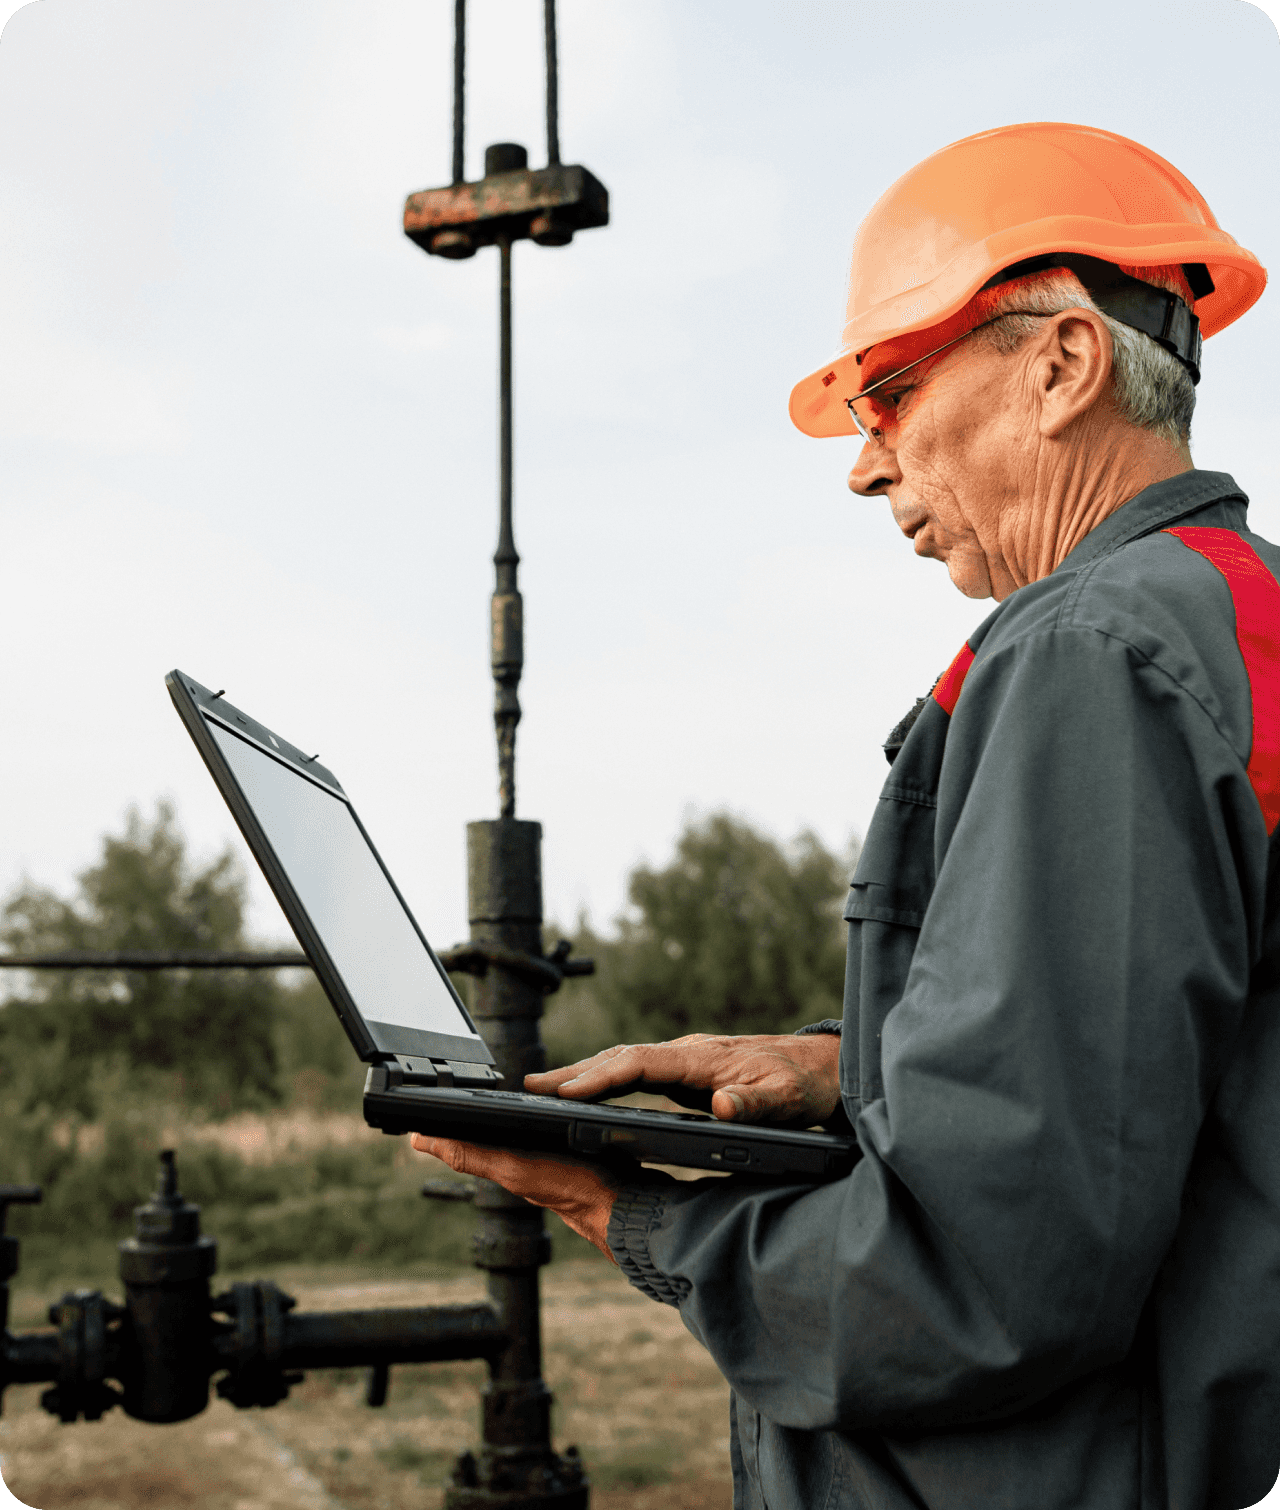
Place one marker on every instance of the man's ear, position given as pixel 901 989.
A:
pixel 1073 367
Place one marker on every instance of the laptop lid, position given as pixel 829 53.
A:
pixel 389 990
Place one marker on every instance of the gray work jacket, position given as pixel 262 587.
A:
pixel 1053 1278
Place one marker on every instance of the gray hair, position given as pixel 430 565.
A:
pixel 1151 388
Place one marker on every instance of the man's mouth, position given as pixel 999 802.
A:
pixel 914 522
pixel 924 538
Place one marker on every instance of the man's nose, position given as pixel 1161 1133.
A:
pixel 875 469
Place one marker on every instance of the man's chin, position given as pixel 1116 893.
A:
pixel 969 576
pixel 967 569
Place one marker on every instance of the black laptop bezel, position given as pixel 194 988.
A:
pixel 372 1040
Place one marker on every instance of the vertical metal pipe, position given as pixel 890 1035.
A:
pixel 459 83
pixel 507 609
pixel 553 84
pixel 517 1468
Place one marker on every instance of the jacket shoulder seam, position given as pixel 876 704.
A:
pixel 1139 655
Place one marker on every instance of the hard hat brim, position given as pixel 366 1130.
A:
pixel 817 404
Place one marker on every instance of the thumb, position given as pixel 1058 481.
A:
pixel 733 1103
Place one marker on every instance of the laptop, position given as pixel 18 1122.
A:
pixel 429 1069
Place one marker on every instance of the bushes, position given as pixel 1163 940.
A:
pixel 388 1226
pixel 207 1035
pixel 737 934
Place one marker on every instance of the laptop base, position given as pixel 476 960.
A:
pixel 550 1124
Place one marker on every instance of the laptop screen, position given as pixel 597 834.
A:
pixel 352 905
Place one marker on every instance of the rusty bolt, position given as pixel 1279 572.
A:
pixel 452 244
pixel 548 230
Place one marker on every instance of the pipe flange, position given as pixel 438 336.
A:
pixel 86 1323
pixel 253 1343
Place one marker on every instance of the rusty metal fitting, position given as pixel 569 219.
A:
pixel 545 204
pixel 514 1479
pixel 495 1246
pixel 543 970
pixel 506 632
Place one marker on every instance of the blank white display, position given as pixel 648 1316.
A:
pixel 360 920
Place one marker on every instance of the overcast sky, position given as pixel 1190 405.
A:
pixel 248 429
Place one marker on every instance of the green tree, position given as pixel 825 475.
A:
pixel 208 1034
pixel 738 934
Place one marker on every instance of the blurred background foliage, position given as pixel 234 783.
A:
pixel 737 934
pixel 100 1069
pixel 210 1032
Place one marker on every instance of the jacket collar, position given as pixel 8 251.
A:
pixel 1154 509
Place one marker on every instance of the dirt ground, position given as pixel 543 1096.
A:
pixel 633 1390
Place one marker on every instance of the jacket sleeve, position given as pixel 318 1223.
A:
pixel 1079 978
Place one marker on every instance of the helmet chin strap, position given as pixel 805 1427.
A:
pixel 1162 315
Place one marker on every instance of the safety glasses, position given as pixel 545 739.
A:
pixel 871 410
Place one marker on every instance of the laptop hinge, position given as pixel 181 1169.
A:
pixel 407 1069
pixel 404 1069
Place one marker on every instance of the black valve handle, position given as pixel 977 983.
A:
pixel 11 1195
pixel 17 1195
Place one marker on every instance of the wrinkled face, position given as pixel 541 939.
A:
pixel 952 454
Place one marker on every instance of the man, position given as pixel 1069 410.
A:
pixel 1053 1278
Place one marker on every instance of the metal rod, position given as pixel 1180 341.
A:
pixel 553 84
pixel 507 610
pixel 464 959
pixel 506 559
pixel 154 959
pixel 459 84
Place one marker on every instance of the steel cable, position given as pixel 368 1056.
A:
pixel 553 84
pixel 459 83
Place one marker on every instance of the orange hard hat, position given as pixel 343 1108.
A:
pixel 962 216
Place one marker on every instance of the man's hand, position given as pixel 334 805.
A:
pixel 763 1078
pixel 766 1078
pixel 580 1193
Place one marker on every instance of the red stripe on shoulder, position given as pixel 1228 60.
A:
pixel 951 681
pixel 1256 595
